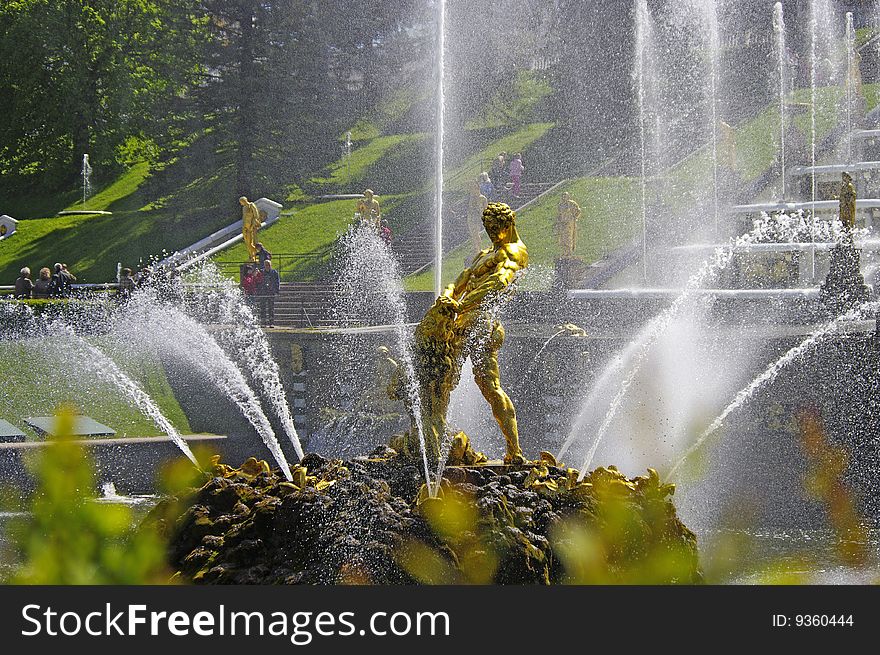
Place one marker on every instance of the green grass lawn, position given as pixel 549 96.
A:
pixel 314 225
pixel 514 104
pixel 32 383
pixel 369 165
pixel 311 227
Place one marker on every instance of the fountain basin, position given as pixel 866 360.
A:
pixel 132 464
pixel 818 206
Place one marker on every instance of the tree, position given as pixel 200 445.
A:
pixel 85 76
pixel 283 78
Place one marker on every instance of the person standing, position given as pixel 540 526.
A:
pixel 43 285
pixel 487 188
pixel 497 171
pixel 477 204
pixel 61 282
pixel 516 171
pixel 71 278
pixel 262 255
pixel 249 278
pixel 127 284
pixel 268 286
pixel 24 286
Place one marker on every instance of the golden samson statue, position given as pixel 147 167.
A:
pixel 461 324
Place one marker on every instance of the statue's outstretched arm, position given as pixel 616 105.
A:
pixel 457 288
pixel 501 278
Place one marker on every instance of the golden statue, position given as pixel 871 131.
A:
pixel 477 204
pixel 847 203
pixel 460 325
pixel 367 209
pixel 250 223
pixel 568 214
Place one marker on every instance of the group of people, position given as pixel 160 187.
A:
pixel 49 284
pixel 261 284
pixel 494 182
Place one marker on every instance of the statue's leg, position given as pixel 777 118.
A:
pixel 488 378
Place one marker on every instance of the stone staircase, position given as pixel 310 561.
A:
pixel 305 304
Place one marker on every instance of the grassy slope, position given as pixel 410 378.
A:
pixel 35 385
pixel 152 212
pixel 378 163
pixel 148 218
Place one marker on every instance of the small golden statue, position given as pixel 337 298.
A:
pixel 477 204
pixel 250 223
pixel 847 203
pixel 568 214
pixel 368 210
pixel 460 325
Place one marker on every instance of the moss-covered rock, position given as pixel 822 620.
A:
pixel 371 520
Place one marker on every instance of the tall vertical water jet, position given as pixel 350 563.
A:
pixel 714 41
pixel 823 54
pixel 644 41
pixel 850 94
pixel 438 181
pixel 782 66
pixel 86 178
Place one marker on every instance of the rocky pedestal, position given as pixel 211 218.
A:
pixel 570 272
pixel 371 520
pixel 844 288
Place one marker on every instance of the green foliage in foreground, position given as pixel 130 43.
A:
pixel 68 538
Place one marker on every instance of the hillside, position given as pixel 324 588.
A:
pixel 165 206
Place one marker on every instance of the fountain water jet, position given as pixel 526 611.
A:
pixel 243 336
pixel 145 320
pixel 850 83
pixel 644 53
pixel 441 109
pixel 782 64
pixel 371 283
pixel 712 34
pixel 59 336
pixel 86 178
pixel 827 330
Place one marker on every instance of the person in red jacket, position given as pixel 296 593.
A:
pixel 249 282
